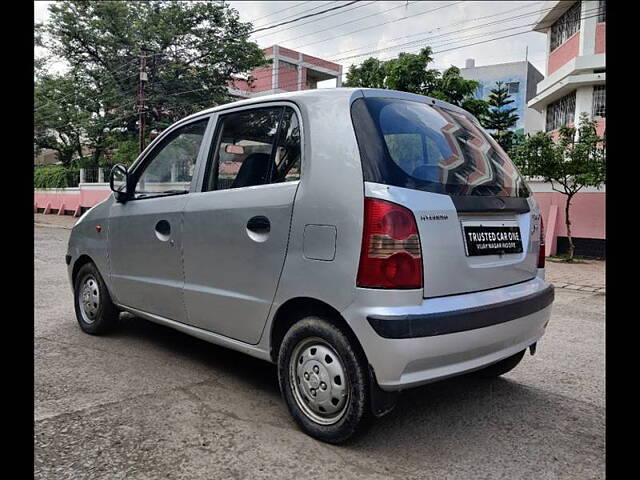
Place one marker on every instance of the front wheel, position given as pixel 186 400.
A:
pixel 323 380
pixel 95 312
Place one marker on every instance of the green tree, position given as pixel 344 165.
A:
pixel 369 74
pixel 500 117
pixel 410 72
pixel 57 125
pixel 576 160
pixel 192 49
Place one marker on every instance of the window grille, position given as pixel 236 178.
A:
pixel 565 26
pixel 561 112
pixel 513 87
pixel 599 103
pixel 602 11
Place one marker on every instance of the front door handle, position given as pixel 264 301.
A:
pixel 259 224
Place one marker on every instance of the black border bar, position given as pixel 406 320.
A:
pixel 442 323
pixel 489 204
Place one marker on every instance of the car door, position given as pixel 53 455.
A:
pixel 145 233
pixel 236 228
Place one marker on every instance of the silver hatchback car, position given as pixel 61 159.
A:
pixel 366 241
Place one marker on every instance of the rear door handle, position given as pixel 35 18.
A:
pixel 259 224
pixel 163 231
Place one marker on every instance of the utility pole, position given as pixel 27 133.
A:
pixel 143 79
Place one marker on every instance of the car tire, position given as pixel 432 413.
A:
pixel 330 397
pixel 500 368
pixel 95 312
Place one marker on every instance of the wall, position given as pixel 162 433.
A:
pixel 587 214
pixel 72 199
pixel 565 52
pixel 600 37
pixel 321 63
pixel 288 77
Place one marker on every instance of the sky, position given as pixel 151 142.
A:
pixel 447 26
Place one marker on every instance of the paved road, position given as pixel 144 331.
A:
pixel 149 402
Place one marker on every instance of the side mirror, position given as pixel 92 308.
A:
pixel 118 180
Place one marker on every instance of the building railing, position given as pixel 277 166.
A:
pixel 94 175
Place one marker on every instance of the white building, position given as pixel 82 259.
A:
pixel 520 78
pixel 576 65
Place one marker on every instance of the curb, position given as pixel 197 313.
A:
pixel 51 225
pixel 580 288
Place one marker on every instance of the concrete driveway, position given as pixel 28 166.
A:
pixel 149 402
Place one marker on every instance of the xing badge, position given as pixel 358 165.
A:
pixel 437 216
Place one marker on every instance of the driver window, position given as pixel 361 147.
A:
pixel 170 169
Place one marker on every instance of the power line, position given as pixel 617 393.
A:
pixel 431 31
pixel 95 80
pixel 322 4
pixel 305 16
pixel 449 40
pixel 402 45
pixel 458 39
pixel 341 6
pixel 436 36
pixel 377 25
pixel 315 20
pixel 397 46
pixel 345 23
pixel 131 114
pixel 300 4
pixel 492 39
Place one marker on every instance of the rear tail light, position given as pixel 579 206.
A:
pixel 391 256
pixel 542 252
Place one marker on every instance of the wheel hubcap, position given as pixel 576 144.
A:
pixel 319 382
pixel 89 299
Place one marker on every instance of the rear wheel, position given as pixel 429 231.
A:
pixel 95 312
pixel 501 367
pixel 323 380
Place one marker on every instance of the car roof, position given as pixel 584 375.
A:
pixel 339 94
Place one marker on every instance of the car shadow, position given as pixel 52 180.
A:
pixel 464 415
pixel 252 371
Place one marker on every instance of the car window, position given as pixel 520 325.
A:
pixel 426 147
pixel 169 170
pixel 288 153
pixel 244 153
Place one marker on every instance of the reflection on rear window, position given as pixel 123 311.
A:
pixel 430 148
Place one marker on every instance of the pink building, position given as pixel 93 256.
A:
pixel 574 83
pixel 288 71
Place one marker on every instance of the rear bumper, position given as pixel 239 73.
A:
pixel 441 337
pixel 442 323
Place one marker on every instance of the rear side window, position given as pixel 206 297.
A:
pixel 255 147
pixel 414 145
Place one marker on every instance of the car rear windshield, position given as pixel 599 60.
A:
pixel 426 147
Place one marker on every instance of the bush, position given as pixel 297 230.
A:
pixel 55 176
